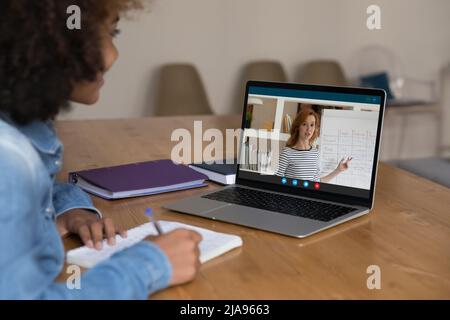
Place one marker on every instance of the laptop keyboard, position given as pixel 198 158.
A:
pixel 279 203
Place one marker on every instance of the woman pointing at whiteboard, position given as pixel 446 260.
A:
pixel 299 159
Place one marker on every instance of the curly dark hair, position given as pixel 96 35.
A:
pixel 41 59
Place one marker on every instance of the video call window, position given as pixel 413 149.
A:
pixel 315 140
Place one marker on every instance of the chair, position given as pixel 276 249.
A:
pixel 265 70
pixel 325 72
pixel 445 113
pixel 262 70
pixel 436 168
pixel 181 92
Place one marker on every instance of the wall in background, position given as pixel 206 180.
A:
pixel 221 36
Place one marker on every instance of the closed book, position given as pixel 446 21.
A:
pixel 221 173
pixel 138 179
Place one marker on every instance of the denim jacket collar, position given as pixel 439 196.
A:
pixel 40 133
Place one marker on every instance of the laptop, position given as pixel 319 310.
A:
pixel 307 162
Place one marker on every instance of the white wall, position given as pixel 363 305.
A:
pixel 221 36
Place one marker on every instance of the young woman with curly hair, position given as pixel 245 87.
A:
pixel 44 66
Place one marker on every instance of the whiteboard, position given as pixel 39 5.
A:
pixel 348 133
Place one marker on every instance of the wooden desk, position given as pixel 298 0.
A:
pixel 407 234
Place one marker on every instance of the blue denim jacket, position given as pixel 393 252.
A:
pixel 31 250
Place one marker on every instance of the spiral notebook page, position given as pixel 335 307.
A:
pixel 213 244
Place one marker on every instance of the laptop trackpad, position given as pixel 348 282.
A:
pixel 266 220
pixel 196 206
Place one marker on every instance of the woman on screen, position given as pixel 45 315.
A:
pixel 299 159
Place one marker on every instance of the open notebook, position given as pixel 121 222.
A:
pixel 212 245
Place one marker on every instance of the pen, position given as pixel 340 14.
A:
pixel 149 213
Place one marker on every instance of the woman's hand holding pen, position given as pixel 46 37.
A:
pixel 341 167
pixel 344 164
pixel 181 247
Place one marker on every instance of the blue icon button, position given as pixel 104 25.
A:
pixel 305 184
pixel 283 180
pixel 294 182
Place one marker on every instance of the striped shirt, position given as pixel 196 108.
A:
pixel 299 164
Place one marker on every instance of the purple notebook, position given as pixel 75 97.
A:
pixel 138 179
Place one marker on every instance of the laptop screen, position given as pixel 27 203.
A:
pixel 310 139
